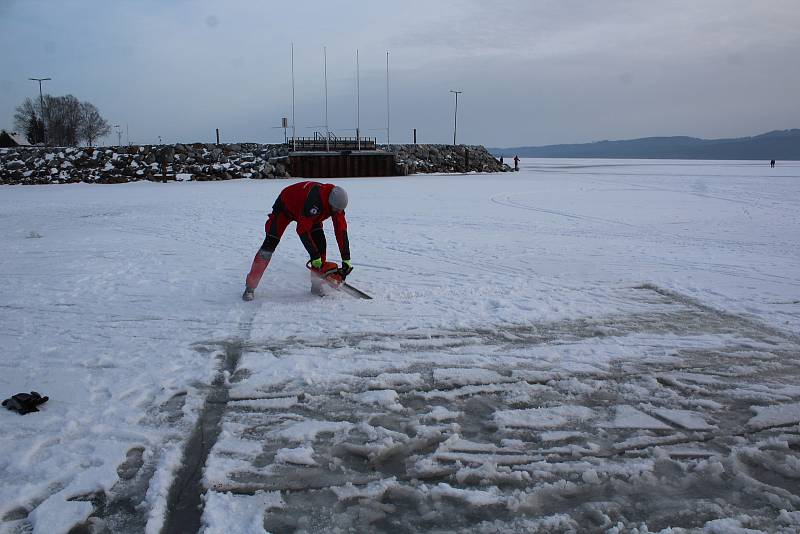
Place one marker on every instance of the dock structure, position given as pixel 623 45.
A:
pixel 341 164
pixel 339 157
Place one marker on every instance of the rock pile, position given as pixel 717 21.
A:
pixel 413 159
pixel 48 165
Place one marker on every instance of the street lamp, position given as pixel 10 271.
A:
pixel 455 116
pixel 41 105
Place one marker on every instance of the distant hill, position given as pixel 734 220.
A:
pixel 779 145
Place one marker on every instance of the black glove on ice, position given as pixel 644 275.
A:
pixel 25 402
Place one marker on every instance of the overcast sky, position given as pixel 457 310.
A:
pixel 532 72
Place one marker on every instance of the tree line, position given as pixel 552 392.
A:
pixel 60 121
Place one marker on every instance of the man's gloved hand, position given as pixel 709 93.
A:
pixel 323 268
pixel 345 269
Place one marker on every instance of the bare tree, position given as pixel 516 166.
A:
pixel 28 119
pixel 68 120
pixel 93 126
pixel 63 117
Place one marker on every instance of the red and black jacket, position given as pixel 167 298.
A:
pixel 307 204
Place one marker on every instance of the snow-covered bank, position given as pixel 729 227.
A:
pixel 122 164
pixel 539 342
pixel 206 162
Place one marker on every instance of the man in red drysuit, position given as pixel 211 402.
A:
pixel 308 204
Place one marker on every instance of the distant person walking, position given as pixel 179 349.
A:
pixel 501 160
pixel 516 163
pixel 772 163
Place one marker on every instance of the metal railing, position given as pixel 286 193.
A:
pixel 320 143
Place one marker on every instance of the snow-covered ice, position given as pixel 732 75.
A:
pixel 605 346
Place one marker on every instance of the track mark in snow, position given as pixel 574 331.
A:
pixel 185 500
pixel 507 200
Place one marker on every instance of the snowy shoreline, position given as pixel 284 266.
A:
pixel 206 162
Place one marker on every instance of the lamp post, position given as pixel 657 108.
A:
pixel 455 116
pixel 41 105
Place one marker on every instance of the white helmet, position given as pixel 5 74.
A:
pixel 337 198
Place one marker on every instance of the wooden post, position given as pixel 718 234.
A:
pixel 217 135
pixel 415 136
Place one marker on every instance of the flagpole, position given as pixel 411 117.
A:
pixel 294 131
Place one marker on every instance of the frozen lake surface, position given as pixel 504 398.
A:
pixel 583 346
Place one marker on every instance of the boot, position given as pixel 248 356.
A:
pixel 249 294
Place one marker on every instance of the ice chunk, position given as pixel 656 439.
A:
pixel 789 518
pixel 486 497
pixel 543 417
pixel 457 443
pixel 729 525
pixel 630 417
pixel 439 414
pixel 590 476
pixel 465 377
pixel 393 380
pixel 386 398
pixel 776 415
pixel 559 435
pixel 692 377
pixel 373 490
pixel 307 430
pixel 684 419
pixel 297 456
